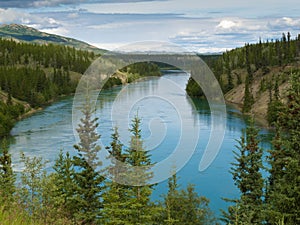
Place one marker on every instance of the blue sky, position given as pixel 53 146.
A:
pixel 196 25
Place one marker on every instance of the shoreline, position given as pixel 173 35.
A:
pixel 260 119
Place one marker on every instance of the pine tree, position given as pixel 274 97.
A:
pixel 7 176
pixel 88 180
pixel 248 178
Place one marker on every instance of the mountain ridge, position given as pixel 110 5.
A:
pixel 24 33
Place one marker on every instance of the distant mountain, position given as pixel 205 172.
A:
pixel 29 34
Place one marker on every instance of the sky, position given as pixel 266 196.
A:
pixel 195 25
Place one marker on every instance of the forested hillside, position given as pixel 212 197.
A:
pixel 32 75
pixel 256 76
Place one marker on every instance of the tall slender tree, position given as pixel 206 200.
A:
pixel 247 175
pixel 88 179
pixel 115 202
pixel 140 207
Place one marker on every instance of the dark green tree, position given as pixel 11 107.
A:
pixel 247 176
pixel 283 193
pixel 185 206
pixel 140 210
pixel 7 176
pixel 64 187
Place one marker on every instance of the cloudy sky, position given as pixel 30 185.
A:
pixel 196 25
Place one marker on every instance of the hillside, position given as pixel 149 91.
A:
pixel 27 34
pixel 34 75
pixel 255 78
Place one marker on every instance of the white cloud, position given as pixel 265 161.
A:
pixel 58 31
pixel 12 16
pixel 227 24
pixel 285 23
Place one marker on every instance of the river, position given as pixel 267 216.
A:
pixel 47 132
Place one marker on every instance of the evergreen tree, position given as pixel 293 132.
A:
pixel 115 204
pixel 248 97
pixel 185 206
pixel 7 176
pixel 140 210
pixel 283 194
pixel 63 191
pixel 248 178
pixel 88 180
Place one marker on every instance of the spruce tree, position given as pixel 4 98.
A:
pixel 63 193
pixel 115 203
pixel 88 179
pixel 247 176
pixel 140 209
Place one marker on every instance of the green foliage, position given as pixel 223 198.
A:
pixel 15 215
pixel 8 114
pixel 111 82
pixel 25 75
pixel 139 209
pixel 63 189
pixel 283 193
pixel 7 177
pixel 88 180
pixel 184 206
pixel 114 198
pixel 31 189
pixel 193 89
pixel 250 58
pixel 247 176
pixel 143 69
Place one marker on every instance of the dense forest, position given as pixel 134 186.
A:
pixel 33 75
pixel 256 74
